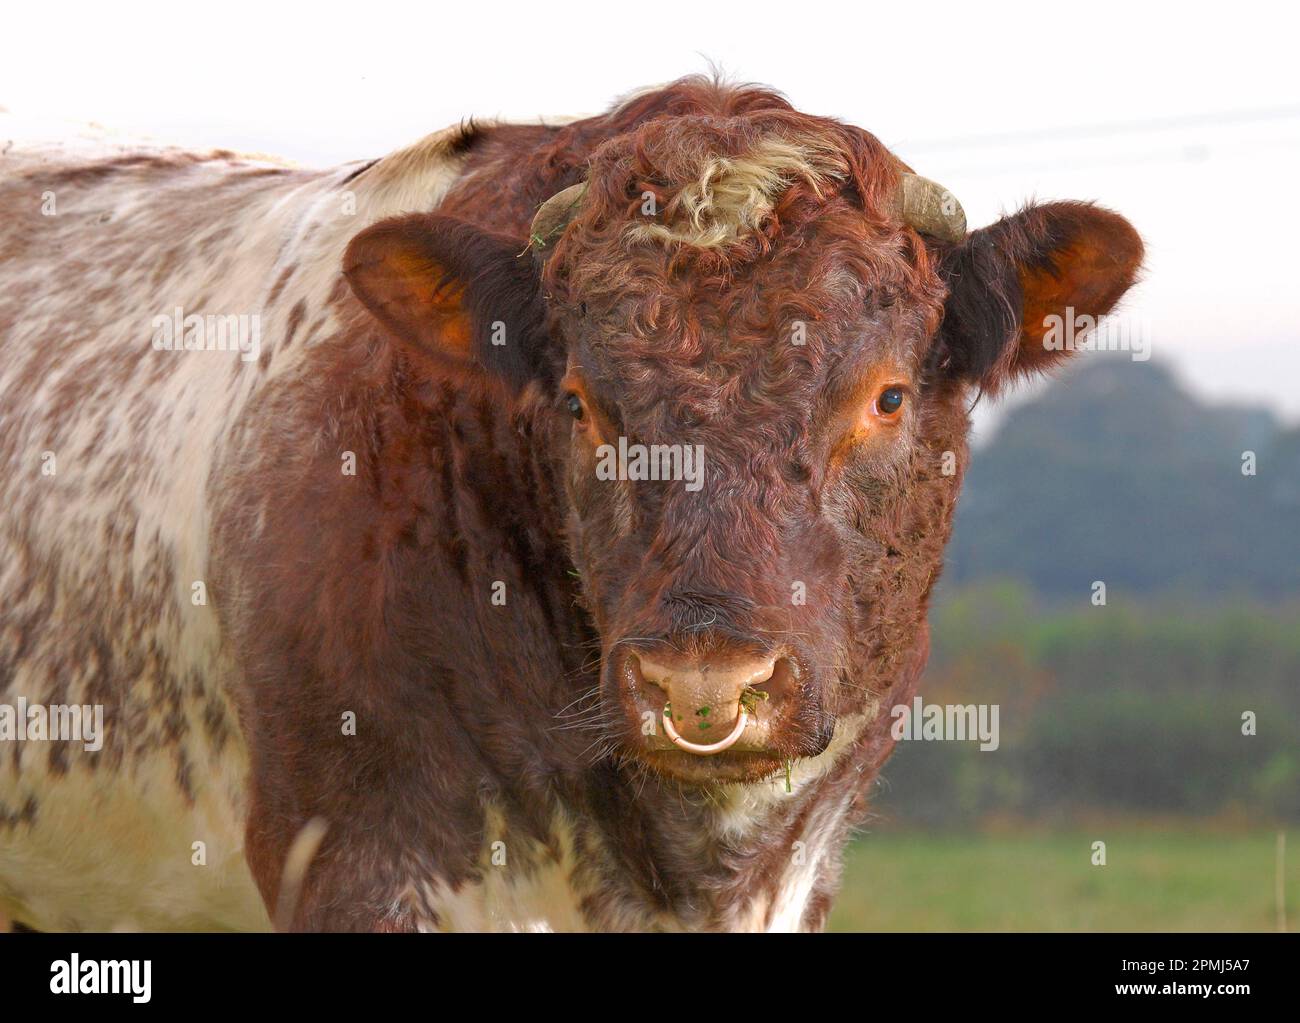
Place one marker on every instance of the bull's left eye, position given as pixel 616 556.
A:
pixel 889 401
pixel 574 404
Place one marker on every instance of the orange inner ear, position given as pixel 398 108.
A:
pixel 409 291
pixel 441 300
pixel 1086 280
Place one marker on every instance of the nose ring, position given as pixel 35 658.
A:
pixel 704 749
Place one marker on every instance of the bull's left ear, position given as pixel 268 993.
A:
pixel 1014 283
pixel 453 295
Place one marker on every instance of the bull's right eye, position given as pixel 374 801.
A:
pixel 574 404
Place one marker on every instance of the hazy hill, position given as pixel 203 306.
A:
pixel 1115 473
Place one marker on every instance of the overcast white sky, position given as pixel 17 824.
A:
pixel 943 85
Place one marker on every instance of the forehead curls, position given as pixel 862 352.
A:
pixel 712 195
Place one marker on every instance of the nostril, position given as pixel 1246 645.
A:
pixel 652 671
pixel 782 680
pixel 778 684
pixel 761 673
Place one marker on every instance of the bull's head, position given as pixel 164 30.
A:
pixel 757 337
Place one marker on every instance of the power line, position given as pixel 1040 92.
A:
pixel 1198 153
pixel 1101 130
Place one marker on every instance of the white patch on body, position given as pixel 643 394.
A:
pixel 136 434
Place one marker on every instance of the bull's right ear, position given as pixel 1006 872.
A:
pixel 453 294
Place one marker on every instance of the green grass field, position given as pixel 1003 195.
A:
pixel 1153 881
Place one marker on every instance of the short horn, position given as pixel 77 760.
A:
pixel 554 215
pixel 929 208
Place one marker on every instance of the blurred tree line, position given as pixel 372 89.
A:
pixel 1134 707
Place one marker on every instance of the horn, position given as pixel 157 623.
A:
pixel 929 208
pixel 554 215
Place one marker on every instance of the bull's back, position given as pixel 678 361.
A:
pixel 104 458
